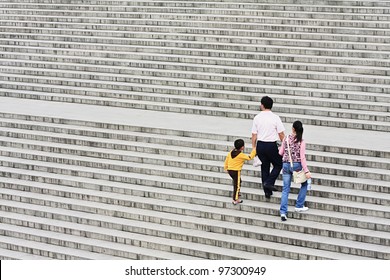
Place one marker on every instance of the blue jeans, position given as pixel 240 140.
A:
pixel 287 177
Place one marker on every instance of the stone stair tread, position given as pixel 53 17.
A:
pixel 171 192
pixel 53 249
pixel 197 233
pixel 173 203
pixel 96 16
pixel 242 103
pixel 239 96
pixel 162 217
pixel 171 45
pixel 345 4
pixel 129 164
pixel 131 236
pixel 224 178
pixel 174 108
pixel 161 79
pixel 234 239
pixel 207 75
pixel 351 138
pixel 164 16
pixel 80 253
pixel 212 174
pixel 303 42
pixel 363 194
pixel 69 131
pixel 200 162
pixel 169 32
pixel 200 234
pixel 16 255
pixel 163 29
pixel 381 28
pixel 220 62
pixel 225 146
pixel 87 147
pixel 196 184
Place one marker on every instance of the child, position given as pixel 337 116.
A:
pixel 234 161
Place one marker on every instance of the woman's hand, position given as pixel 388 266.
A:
pixel 308 175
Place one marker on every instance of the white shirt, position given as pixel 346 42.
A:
pixel 267 126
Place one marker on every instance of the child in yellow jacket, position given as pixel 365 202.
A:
pixel 234 161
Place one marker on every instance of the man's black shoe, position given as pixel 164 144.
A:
pixel 270 188
pixel 267 196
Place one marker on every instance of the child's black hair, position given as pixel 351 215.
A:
pixel 239 143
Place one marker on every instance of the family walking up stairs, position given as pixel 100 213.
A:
pixel 116 117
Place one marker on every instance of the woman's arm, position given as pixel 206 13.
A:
pixel 281 148
pixel 303 158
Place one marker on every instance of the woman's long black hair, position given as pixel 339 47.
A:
pixel 297 125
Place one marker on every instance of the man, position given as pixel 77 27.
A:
pixel 267 128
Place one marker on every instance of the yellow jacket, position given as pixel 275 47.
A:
pixel 236 159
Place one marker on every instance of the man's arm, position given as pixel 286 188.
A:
pixel 254 140
pixel 281 136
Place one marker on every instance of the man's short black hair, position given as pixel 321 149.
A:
pixel 267 102
pixel 239 143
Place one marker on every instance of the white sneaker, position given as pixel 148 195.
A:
pixel 304 208
pixel 283 217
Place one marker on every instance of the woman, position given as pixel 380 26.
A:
pixel 298 155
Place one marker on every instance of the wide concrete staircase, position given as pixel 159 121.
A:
pixel 76 187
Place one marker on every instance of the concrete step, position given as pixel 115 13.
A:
pixel 183 159
pixel 288 113
pixel 209 105
pixel 222 42
pixel 325 198
pixel 262 16
pixel 216 14
pixel 230 222
pixel 167 158
pixel 286 25
pixel 192 97
pixel 190 63
pixel 123 171
pixel 6 254
pixel 115 122
pixel 140 31
pixel 25 249
pixel 373 66
pixel 358 190
pixel 300 79
pixel 182 69
pixel 65 246
pixel 298 96
pixel 209 160
pixel 235 7
pixel 181 201
pixel 204 49
pixel 20 135
pixel 152 229
pixel 160 229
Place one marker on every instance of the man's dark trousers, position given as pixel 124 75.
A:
pixel 268 153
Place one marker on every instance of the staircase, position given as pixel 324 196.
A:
pixel 116 117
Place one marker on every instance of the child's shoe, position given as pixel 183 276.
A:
pixel 235 202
